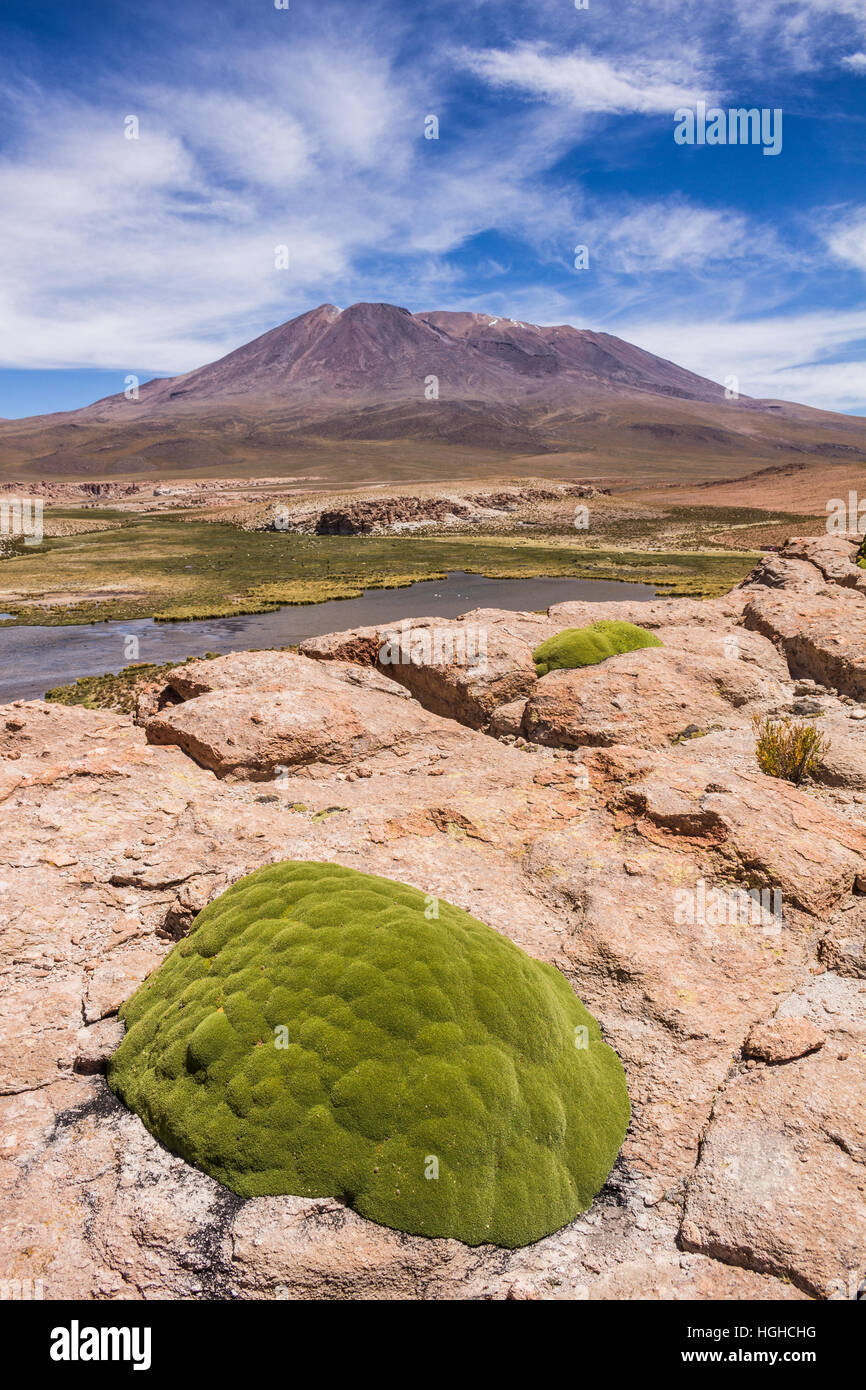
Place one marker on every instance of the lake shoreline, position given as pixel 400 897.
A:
pixel 35 659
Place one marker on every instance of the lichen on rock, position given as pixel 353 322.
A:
pixel 323 1032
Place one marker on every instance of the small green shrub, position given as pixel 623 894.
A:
pixel 587 646
pixel 788 748
pixel 323 1032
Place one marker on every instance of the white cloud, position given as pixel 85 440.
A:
pixel 243 138
pixel 670 235
pixel 159 252
pixel 855 61
pixel 782 357
pixel 587 82
pixel 846 238
pixel 803 35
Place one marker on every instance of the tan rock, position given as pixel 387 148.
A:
pixel 776 571
pixel 95 1044
pixel 492 668
pixel 731 645
pixel 780 1182
pixel 251 733
pixel 833 554
pixel 359 645
pixel 783 1040
pixel 462 669
pixel 267 670
pixel 843 947
pixel 114 981
pixel 656 613
pixel 821 633
pixel 646 698
pixel 507 719
pixel 842 761
pixel 765 829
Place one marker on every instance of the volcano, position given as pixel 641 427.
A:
pixel 341 392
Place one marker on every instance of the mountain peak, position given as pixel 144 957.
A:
pixel 374 351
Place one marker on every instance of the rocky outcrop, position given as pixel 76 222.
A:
pixel 248 721
pixel 654 614
pixel 818 622
pixel 649 697
pixel 277 671
pixel 766 830
pixel 712 919
pixel 408 511
pixel 462 670
pixel 834 555
pixel 783 1040
pixel 783 1159
pixel 389 513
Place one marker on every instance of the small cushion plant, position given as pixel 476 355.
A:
pixel 322 1032
pixel 587 646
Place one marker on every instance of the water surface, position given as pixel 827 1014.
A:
pixel 34 659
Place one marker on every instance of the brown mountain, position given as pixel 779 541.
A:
pixel 346 395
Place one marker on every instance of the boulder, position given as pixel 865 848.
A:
pixel 842 762
pixel 776 571
pixel 268 670
pixel 252 733
pixel 833 554
pixel 730 644
pixel 646 698
pixel 462 670
pixel 655 613
pixel 842 948
pixel 783 1040
pixel 822 633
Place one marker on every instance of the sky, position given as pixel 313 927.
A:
pixel 306 128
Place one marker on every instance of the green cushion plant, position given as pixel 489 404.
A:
pixel 587 646
pixel 323 1032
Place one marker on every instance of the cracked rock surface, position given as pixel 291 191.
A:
pixel 620 849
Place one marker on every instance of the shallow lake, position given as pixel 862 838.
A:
pixel 34 659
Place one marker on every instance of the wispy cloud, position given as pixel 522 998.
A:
pixel 782 357
pixel 845 236
pixel 157 249
pixel 587 82
pixel 640 237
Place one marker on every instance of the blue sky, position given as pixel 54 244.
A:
pixel 304 128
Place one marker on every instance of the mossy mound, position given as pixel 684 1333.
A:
pixel 324 1033
pixel 587 646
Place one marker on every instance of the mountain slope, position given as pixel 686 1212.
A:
pixel 336 393
pixel 379 351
